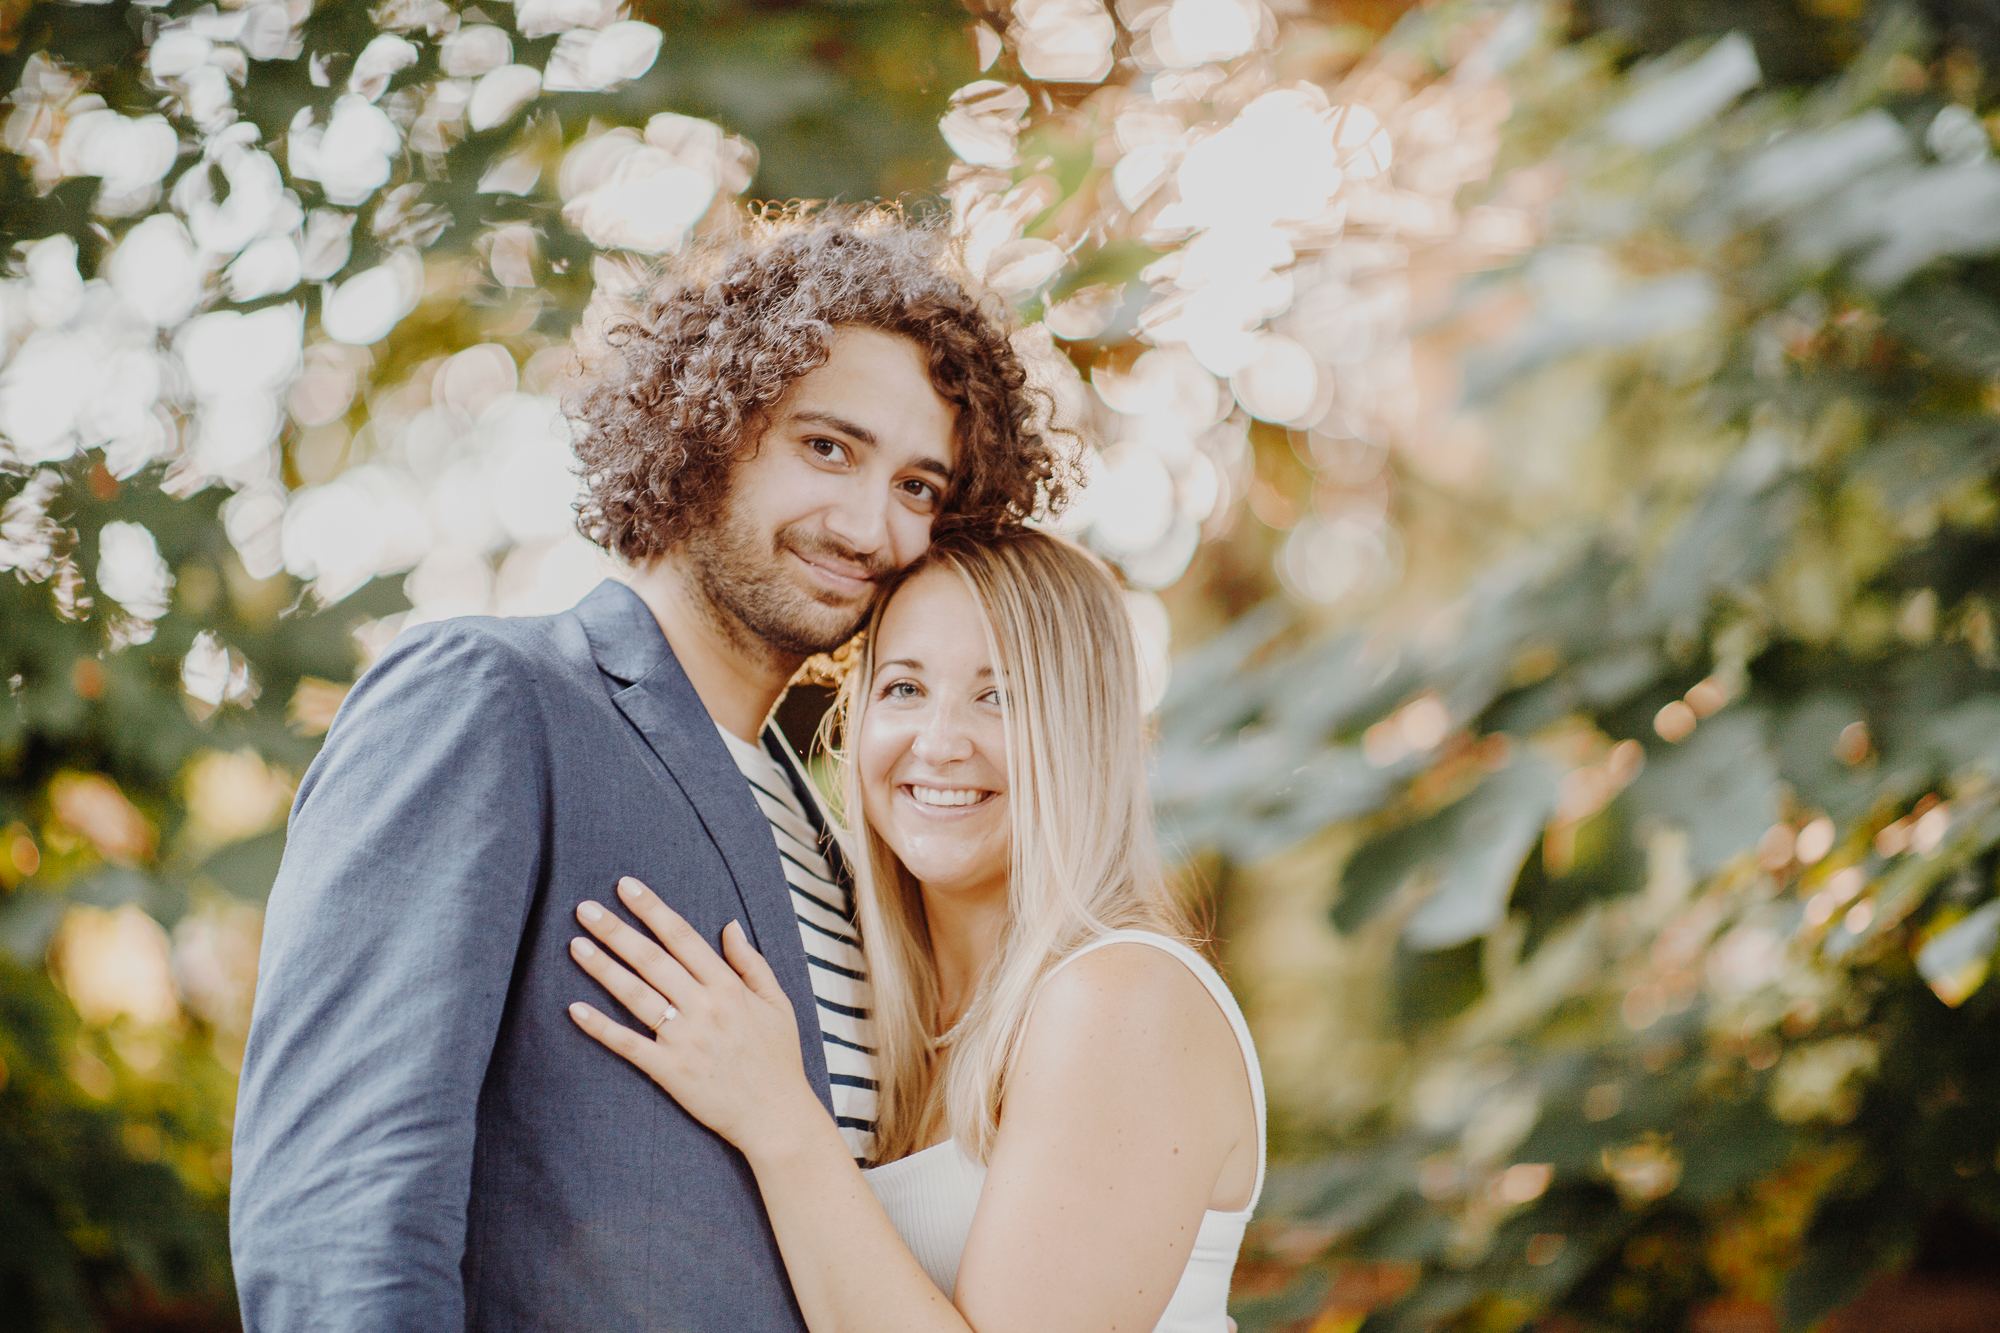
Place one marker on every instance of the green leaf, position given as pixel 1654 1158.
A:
pixel 1342 1192
pixel 1946 321
pixel 247 869
pixel 1116 263
pixel 1968 943
pixel 1731 538
pixel 1922 462
pixel 28 922
pixel 1847 1243
pixel 1300 1300
pixel 1725 1145
pixel 1474 849
pixel 1607 863
pixel 1496 828
pixel 1805 743
pixel 1719 786
pixel 1381 866
pixel 1434 986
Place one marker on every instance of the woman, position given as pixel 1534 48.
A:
pixel 1071 1116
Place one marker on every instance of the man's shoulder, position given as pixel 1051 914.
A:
pixel 510 645
pixel 474 666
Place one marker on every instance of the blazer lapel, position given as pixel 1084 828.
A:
pixel 661 703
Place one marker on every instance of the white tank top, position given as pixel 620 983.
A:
pixel 930 1196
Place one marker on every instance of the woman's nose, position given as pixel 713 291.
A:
pixel 943 738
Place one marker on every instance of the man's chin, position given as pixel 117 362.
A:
pixel 819 628
pixel 840 634
pixel 843 607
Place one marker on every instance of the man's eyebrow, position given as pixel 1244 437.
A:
pixel 839 423
pixel 937 467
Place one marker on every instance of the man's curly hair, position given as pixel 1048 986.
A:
pixel 670 385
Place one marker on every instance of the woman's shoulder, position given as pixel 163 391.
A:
pixel 1134 954
pixel 1135 983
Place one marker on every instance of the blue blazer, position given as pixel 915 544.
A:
pixel 424 1140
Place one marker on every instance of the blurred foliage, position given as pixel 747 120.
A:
pixel 1587 521
pixel 111 1188
pixel 141 809
pixel 111 1193
pixel 1670 829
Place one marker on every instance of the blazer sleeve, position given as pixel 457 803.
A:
pixel 413 855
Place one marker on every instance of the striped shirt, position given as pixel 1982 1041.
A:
pixel 823 899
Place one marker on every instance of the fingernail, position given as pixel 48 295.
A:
pixel 628 889
pixel 589 911
pixel 734 925
pixel 583 947
pixel 579 1011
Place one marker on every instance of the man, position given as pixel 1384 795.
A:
pixel 424 1140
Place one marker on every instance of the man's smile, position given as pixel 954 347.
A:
pixel 838 575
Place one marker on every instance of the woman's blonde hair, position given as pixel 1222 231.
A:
pixel 1083 856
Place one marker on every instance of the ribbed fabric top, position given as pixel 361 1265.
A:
pixel 824 904
pixel 931 1196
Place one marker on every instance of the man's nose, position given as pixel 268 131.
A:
pixel 861 521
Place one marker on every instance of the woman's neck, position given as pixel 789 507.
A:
pixel 965 934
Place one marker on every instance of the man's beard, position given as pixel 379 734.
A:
pixel 745 583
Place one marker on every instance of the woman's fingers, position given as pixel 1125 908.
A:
pixel 643 1002
pixel 687 947
pixel 750 965
pixel 622 1040
pixel 654 965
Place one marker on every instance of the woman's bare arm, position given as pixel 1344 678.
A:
pixel 1129 1114
pixel 1119 1125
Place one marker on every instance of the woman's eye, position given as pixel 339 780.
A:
pixel 831 450
pixel 900 689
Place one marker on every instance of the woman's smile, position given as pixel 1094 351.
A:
pixel 946 797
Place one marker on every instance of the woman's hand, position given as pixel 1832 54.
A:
pixel 724 1041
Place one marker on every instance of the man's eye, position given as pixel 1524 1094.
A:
pixel 921 491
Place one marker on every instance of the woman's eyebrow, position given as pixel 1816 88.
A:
pixel 912 664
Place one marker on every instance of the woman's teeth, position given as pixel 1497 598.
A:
pixel 947 795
